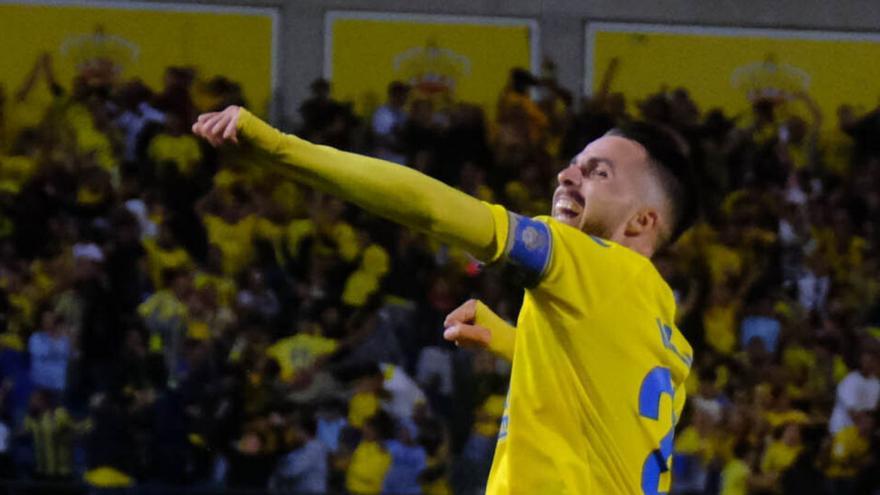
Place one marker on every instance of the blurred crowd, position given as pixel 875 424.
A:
pixel 172 315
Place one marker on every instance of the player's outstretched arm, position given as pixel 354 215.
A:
pixel 386 189
pixel 473 324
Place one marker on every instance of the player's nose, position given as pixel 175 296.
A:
pixel 569 176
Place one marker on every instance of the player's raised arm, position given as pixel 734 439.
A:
pixel 395 192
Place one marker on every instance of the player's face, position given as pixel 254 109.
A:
pixel 599 190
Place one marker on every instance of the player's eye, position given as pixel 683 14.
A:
pixel 599 172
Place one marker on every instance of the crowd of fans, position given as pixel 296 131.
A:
pixel 175 316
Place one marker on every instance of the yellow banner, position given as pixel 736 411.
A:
pixel 142 40
pixel 469 58
pixel 723 67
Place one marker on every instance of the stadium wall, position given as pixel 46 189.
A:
pixel 561 25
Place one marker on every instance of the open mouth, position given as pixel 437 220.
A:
pixel 569 205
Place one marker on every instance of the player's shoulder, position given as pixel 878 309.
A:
pixel 568 237
pixel 550 252
pixel 619 263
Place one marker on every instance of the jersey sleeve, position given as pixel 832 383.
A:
pixel 503 340
pixel 556 259
pixel 398 193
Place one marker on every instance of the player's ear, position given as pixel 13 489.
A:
pixel 644 220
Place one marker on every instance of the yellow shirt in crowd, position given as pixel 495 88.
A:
pixel 849 451
pixel 778 457
pixel 361 407
pixel 366 472
pixel 488 416
pixel 235 241
pixel 735 478
pixel 159 260
pixel 183 151
pixel 299 352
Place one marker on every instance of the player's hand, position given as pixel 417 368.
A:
pixel 460 327
pixel 218 127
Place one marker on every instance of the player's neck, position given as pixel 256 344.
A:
pixel 639 244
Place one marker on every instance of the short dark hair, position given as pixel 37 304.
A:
pixel 666 152
pixel 521 79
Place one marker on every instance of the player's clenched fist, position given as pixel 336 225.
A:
pixel 218 127
pixel 462 329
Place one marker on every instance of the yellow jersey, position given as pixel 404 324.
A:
pixel 298 352
pixel 849 452
pixel 488 415
pixel 735 478
pixel 598 367
pixel 361 407
pixel 778 457
pixel 367 469
pixel 235 241
pixel 183 151
pixel 160 259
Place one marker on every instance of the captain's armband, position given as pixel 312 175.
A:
pixel 528 248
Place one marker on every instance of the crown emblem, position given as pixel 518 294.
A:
pixel 100 52
pixel 770 80
pixel 532 239
pixel 431 69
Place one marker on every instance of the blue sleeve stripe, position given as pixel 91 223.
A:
pixel 529 246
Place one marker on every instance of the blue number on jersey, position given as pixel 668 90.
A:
pixel 656 383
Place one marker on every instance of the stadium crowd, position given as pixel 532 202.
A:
pixel 172 315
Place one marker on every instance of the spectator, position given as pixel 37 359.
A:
pixel 250 462
pixel 408 460
pixel 695 454
pixel 175 151
pixel 850 454
pixel 303 470
pixel 176 96
pixel 165 254
pixel 858 392
pixel 366 401
pixel 804 476
pixel 760 323
pixel 434 376
pixel 331 422
pixel 50 352
pixel 256 299
pixel 782 451
pixel 476 457
pixel 165 316
pixel 777 286
pixel 737 477
pixel 319 111
pixel 388 122
pixel 53 432
pixel 403 393
pixel 516 108
pixel 371 460
pixel 137 117
pixel 302 352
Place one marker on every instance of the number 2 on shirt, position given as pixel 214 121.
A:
pixel 656 383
